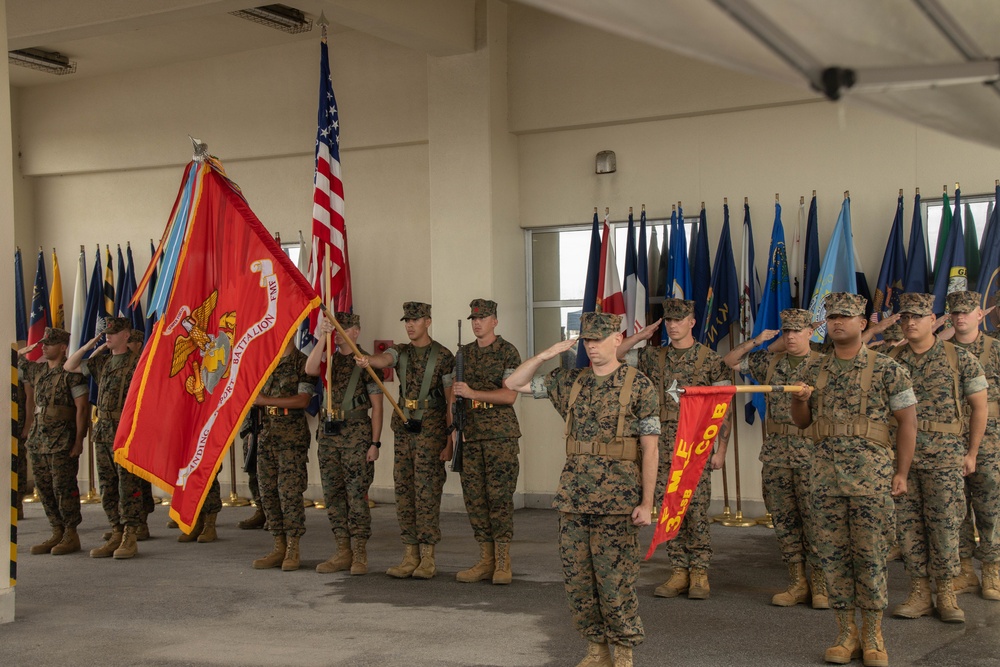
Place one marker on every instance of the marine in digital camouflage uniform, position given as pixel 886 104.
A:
pixel 55 438
pixel 786 454
pixel 489 455
pixel 693 364
pixel 929 516
pixel 135 341
pixel 605 493
pixel 349 440
pixel 121 491
pixel 424 367
pixel 851 395
pixel 282 456
pixel 982 487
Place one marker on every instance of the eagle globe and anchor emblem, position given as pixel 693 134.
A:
pixel 209 354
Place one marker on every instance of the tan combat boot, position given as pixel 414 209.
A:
pixel 919 603
pixel 208 533
pixel 47 546
pixel 426 569
pixel 871 639
pixel 199 525
pixel 798 587
pixel 481 570
pixel 274 558
pixel 291 560
pixel 359 556
pixel 677 583
pixel 848 646
pixel 109 547
pixel 172 524
pixel 699 584
pixel 966 581
pixel 142 531
pixel 598 655
pixel 820 597
pixel 411 559
pixel 129 546
pixel 947 603
pixel 341 560
pixel 623 656
pixel 253 522
pixel 991 581
pixel 69 544
pixel 502 574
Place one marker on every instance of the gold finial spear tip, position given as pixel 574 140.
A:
pixel 746 200
pixel 630 210
pixel 901 192
pixel 725 200
pixel 802 199
pixel 607 211
pixel 957 186
pixel 776 197
pixel 918 192
pixel 814 193
pixel 644 207
pixel 847 194
pixel 703 204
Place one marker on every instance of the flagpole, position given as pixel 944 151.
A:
pixel 321 503
pixel 767 520
pixel 727 514
pixel 736 520
pixel 234 499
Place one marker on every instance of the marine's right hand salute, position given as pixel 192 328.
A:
pixel 520 379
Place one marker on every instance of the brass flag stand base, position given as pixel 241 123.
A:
pixel 726 515
pixel 306 502
pixel 33 498
pixel 92 497
pixel 234 499
pixel 319 504
pixel 737 521
pixel 766 521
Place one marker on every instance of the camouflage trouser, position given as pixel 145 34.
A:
pixel 787 497
pixel 121 491
pixel 213 501
pixel 419 475
pixel 346 476
pixel 852 540
pixel 693 545
pixel 489 477
pixel 281 472
pixel 982 507
pixel 928 519
pixel 55 481
pixel 148 502
pixel 600 561
pixel 133 510
pixel 252 478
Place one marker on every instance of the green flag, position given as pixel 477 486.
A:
pixel 943 231
pixel 971 247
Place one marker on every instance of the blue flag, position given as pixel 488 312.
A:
pixel 890 276
pixel 678 285
pixel 989 266
pixel 776 297
pixel 93 311
pixel 134 313
pixel 950 275
pixel 590 287
pixel 701 280
pixel 749 280
pixel 722 304
pixel 915 279
pixel 837 272
pixel 810 264
pixel 20 307
pixel 642 293
pixel 40 316
pixel 631 286
pixel 119 309
pixel 151 317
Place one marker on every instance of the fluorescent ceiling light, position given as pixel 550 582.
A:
pixel 41 60
pixel 279 17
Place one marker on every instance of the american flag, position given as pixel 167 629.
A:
pixel 329 237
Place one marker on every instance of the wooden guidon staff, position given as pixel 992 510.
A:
pixel 676 391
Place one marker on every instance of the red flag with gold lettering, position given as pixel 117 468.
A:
pixel 230 300
pixel 701 413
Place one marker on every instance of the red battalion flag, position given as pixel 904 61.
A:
pixel 229 307
pixel 701 415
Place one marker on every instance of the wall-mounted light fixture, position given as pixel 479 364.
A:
pixel 279 17
pixel 606 163
pixel 52 62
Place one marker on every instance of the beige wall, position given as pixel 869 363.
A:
pixel 446 159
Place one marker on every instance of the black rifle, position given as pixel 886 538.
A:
pixel 458 408
pixel 250 432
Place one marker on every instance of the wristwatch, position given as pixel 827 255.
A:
pixel 377 445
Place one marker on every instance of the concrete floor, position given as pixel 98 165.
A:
pixel 202 604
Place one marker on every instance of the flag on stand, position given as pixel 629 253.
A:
pixel 837 274
pixel 989 268
pixel 678 285
pixel 890 276
pixel 701 279
pixel 329 232
pixel 20 308
pixel 944 231
pixel 609 286
pixel 663 271
pixel 701 413
pixel 793 243
pixel 723 301
pixel 79 305
pixel 642 288
pixel 631 277
pixel 153 268
pixel 234 304
pixel 949 275
pixel 127 309
pixel 810 257
pixel 915 278
pixel 775 297
pixel 749 280
pixel 109 285
pixel 653 278
pixel 590 287
pixel 41 317
pixel 56 295
pixel 971 246
pixel 119 310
